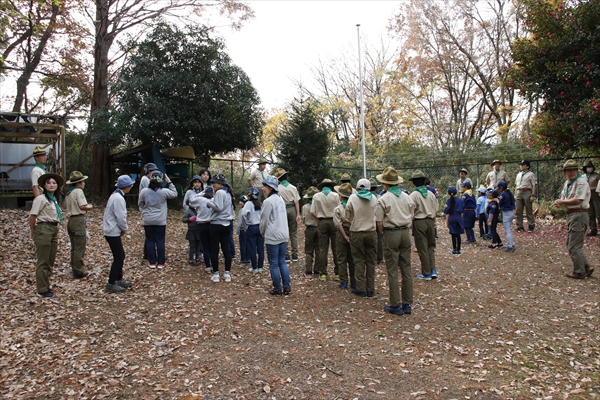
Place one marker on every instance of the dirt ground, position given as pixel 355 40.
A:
pixel 493 326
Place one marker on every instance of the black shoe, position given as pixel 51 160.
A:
pixel 82 275
pixel 531 229
pixel 287 291
pixel 360 294
pixel 114 288
pixel 287 258
pixel 394 310
pixel 48 294
pixel 274 292
pixel 407 308
pixel 593 232
pixel 124 283
pixel 370 294
pixel 588 271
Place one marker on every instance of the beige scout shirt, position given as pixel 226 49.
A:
pixel 525 180
pixel 44 209
pixel 425 207
pixel 257 176
pixel 580 189
pixel 361 213
pixel 36 172
pixel 323 206
pixel 307 217
pixel 289 194
pixel 339 217
pixel 494 177
pixel 592 180
pixel 395 211
pixel 74 200
pixel 459 182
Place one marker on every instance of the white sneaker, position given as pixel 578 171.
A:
pixel 208 270
pixel 152 266
pixel 227 276
pixel 259 270
pixel 215 277
pixel 251 269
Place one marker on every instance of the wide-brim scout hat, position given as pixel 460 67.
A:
pixel 75 177
pixel 59 179
pixel 262 161
pixel 345 189
pixel 326 182
pixel 272 182
pixel 280 173
pixel 310 192
pixel 374 183
pixel 588 164
pixel 417 174
pixel 219 178
pixel 495 162
pixel 39 151
pixel 390 177
pixel 124 181
pixel 464 170
pixel 570 164
pixel 345 177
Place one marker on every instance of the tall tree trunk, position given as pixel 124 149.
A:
pixel 100 174
pixel 34 61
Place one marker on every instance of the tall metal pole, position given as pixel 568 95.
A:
pixel 362 106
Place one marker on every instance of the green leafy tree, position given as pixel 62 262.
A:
pixel 303 146
pixel 558 65
pixel 180 88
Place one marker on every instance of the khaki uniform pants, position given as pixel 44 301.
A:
pixel 45 238
pixel 345 261
pixel 293 229
pixel 396 248
pixel 326 235
pixel 424 233
pixel 578 224
pixel 379 246
pixel 523 200
pixel 311 248
pixel 364 253
pixel 594 210
pixel 76 230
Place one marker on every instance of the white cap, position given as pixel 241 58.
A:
pixel 363 184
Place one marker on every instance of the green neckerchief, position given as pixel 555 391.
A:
pixel 523 173
pixel 423 190
pixel 395 190
pixel 42 166
pixel 365 194
pixel 570 183
pixel 284 183
pixel 326 190
pixel 69 190
pixel 344 202
pixel 58 212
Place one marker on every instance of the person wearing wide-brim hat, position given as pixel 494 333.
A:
pixel 40 157
pixel 114 225
pixel 258 176
pixel 323 204
pixel 291 198
pixel 463 177
pixel 311 234
pixel 44 217
pixel 496 175
pixel 342 239
pixel 145 180
pixel 76 206
pixel 424 225
pixel 394 216
pixel 525 195
pixel 346 178
pixel 593 179
pixel 575 197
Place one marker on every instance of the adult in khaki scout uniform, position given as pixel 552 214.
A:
pixel 526 192
pixel 311 234
pixel 257 177
pixel 375 189
pixel 594 210
pixel 44 218
pixel 323 204
pixel 76 206
pixel 342 240
pixel 424 225
pixel 496 175
pixel 575 197
pixel 360 211
pixel 463 178
pixel 291 198
pixel 40 157
pixel 395 213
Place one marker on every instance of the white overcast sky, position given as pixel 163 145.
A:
pixel 286 37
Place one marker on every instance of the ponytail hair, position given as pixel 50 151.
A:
pixel 452 202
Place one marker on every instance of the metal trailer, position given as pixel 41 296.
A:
pixel 19 134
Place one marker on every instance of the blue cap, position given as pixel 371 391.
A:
pixel 502 184
pixel 271 181
pixel 452 190
pixel 481 189
pixel 150 167
pixel 124 181
pixel 467 185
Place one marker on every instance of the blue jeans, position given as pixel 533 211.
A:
pixel 256 246
pixel 155 243
pixel 244 246
pixel 507 219
pixel 278 267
